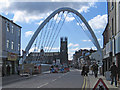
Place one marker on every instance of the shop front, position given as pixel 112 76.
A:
pixel 10 64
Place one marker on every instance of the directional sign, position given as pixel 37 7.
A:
pixel 100 85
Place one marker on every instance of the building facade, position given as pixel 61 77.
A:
pixel 50 57
pixel 81 57
pixel 111 50
pixel 43 58
pixel 10 36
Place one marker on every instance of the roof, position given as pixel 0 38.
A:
pixel 10 20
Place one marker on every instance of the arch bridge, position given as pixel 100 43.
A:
pixel 65 10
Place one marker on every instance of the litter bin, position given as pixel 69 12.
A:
pixel 107 75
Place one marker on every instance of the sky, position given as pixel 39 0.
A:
pixel 29 15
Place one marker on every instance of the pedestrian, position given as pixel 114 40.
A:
pixel 114 72
pixel 18 70
pixel 95 69
pixel 3 71
pixel 86 70
pixel 83 70
pixel 92 69
pixel 8 70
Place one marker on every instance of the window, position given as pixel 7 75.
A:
pixel 19 33
pixel 12 29
pixel 8 28
pixel 18 47
pixel 112 5
pixel 8 43
pixel 12 45
pixel 112 26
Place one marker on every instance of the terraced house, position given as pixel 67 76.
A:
pixel 10 44
pixel 111 36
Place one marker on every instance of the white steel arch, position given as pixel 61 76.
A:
pixel 47 20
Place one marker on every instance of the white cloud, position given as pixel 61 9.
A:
pixel 98 22
pixel 69 17
pixel 72 45
pixel 3 5
pixel 88 48
pixel 86 40
pixel 99 39
pixel 40 22
pixel 84 9
pixel 74 49
pixel 23 16
pixel 55 0
pixel 31 50
pixel 29 33
pixel 30 13
pixel 52 49
pixel 70 54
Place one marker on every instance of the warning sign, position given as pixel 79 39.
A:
pixel 100 85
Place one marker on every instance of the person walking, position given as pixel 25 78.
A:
pixel 86 70
pixel 83 70
pixel 114 72
pixel 8 70
pixel 18 70
pixel 95 69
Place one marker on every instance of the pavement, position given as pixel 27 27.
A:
pixel 92 81
pixel 14 78
pixel 89 82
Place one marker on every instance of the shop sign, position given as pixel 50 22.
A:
pixel 12 56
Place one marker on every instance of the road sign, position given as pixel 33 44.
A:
pixel 100 85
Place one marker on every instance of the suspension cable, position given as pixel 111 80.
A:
pixel 50 35
pixel 46 29
pixel 49 43
pixel 84 29
pixel 40 42
pixel 58 32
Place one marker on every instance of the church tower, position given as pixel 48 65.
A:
pixel 63 51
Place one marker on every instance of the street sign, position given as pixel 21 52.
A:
pixel 100 85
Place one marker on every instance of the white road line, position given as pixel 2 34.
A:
pixel 34 75
pixel 43 85
pixel 54 80
pixel 59 77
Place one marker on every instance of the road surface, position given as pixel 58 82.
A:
pixel 71 79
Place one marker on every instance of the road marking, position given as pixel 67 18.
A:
pixel 43 85
pixel 59 77
pixel 83 84
pixel 34 75
pixel 54 80
pixel 86 85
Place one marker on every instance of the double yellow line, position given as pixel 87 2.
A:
pixel 84 86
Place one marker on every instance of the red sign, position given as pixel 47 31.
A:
pixel 100 84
